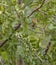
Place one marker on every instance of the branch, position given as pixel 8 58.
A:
pixel 37 8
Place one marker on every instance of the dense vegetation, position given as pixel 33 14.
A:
pixel 27 32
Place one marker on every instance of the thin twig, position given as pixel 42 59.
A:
pixel 47 48
pixel 37 8
pixel 3 42
pixel 16 27
pixel 41 60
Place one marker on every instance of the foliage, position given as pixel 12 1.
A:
pixel 29 41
